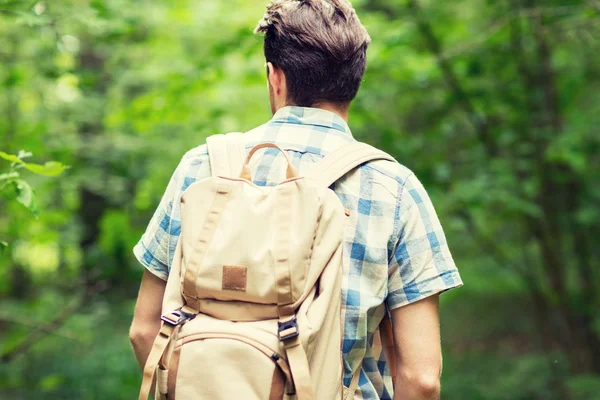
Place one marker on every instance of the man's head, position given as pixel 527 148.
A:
pixel 315 51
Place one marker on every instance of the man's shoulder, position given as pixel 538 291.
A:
pixel 194 165
pixel 195 162
pixel 257 135
pixel 390 174
pixel 197 154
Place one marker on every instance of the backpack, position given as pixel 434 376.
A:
pixel 252 306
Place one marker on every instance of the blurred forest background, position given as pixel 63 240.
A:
pixel 494 104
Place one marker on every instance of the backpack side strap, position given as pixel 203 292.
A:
pixel 226 154
pixel 159 347
pixel 343 160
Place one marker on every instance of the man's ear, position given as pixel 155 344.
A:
pixel 276 79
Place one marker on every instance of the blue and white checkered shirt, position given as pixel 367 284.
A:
pixel 395 251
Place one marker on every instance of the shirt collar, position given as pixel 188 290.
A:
pixel 310 116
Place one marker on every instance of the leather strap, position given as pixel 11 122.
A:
pixel 283 274
pixel 162 372
pixel 289 334
pixel 343 160
pixel 190 287
pixel 162 376
pixel 158 349
pixel 173 301
pixel 173 298
pixel 332 168
pixel 298 361
pixel 290 171
pixel 226 154
pixel 353 384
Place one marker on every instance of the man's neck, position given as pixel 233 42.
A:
pixel 342 111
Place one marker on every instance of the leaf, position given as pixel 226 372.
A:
pixel 10 157
pixel 51 382
pixel 3 246
pixel 51 168
pixel 26 196
pixel 8 176
pixel 24 154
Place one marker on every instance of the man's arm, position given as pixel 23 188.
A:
pixel 146 317
pixel 418 350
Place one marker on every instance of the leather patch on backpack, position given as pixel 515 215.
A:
pixel 234 278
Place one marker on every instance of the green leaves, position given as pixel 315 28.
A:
pixel 10 157
pixel 26 196
pixel 8 176
pixel 23 192
pixel 51 382
pixel 51 168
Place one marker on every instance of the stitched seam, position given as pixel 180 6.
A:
pixel 310 254
pixel 391 176
pixel 396 231
pixel 146 249
pixel 288 148
pixel 260 187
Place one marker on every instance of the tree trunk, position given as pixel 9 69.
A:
pixel 92 204
pixel 554 199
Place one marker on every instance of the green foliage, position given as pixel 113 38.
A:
pixel 505 377
pixel 51 168
pixel 494 105
pixel 21 190
pixel 25 195
pixel 584 388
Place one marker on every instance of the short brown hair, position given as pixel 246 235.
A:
pixel 321 47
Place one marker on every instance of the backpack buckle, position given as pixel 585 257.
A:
pixel 177 317
pixel 287 329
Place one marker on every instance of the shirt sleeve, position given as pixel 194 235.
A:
pixel 156 248
pixel 421 264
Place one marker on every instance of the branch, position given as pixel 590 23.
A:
pixel 510 18
pixel 467 47
pixel 523 66
pixel 594 4
pixel 45 327
pixel 490 247
pixel 52 326
pixel 10 12
pixel 535 287
pixel 476 119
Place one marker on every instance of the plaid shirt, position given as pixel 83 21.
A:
pixel 395 251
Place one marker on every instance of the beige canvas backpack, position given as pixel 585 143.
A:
pixel 252 303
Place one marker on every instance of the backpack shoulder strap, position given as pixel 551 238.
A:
pixel 343 160
pixel 226 154
pixel 333 167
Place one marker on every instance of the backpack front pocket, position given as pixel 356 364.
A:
pixel 222 366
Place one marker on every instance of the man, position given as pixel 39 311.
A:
pixel 395 252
